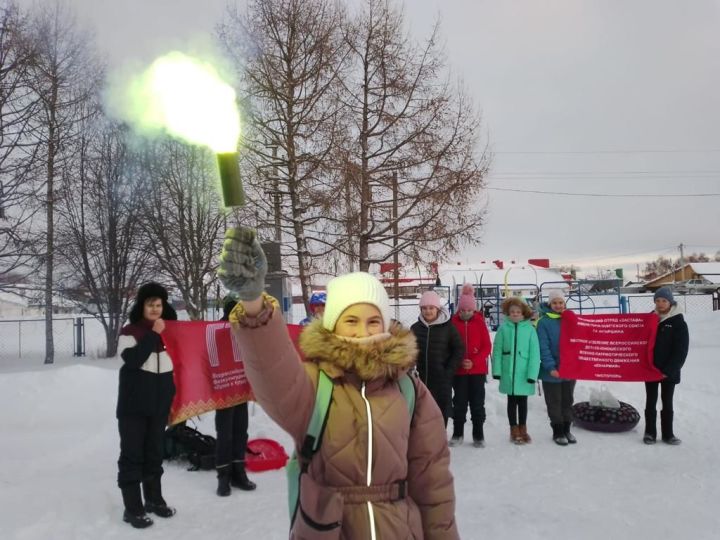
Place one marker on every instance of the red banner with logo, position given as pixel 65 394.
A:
pixel 209 373
pixel 612 347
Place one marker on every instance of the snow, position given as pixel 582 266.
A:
pixel 59 447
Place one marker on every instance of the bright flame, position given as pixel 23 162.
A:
pixel 187 98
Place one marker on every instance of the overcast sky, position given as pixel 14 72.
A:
pixel 610 97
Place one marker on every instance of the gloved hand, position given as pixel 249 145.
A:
pixel 243 264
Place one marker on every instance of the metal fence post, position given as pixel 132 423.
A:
pixel 79 337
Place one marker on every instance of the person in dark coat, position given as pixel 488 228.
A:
pixel 231 426
pixel 671 349
pixel 440 350
pixel 145 394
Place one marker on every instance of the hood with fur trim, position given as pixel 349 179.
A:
pixel 385 358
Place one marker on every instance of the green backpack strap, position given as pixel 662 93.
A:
pixel 407 387
pixel 313 437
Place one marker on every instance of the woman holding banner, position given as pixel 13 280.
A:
pixel 558 392
pixel 231 427
pixel 671 348
pixel 144 397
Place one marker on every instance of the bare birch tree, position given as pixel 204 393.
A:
pixel 414 163
pixel 183 220
pixel 102 253
pixel 290 54
pixel 17 105
pixel 64 76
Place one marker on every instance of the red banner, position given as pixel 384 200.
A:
pixel 610 347
pixel 208 371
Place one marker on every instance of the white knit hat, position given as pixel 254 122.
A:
pixel 555 293
pixel 354 288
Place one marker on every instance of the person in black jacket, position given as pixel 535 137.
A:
pixel 440 350
pixel 231 426
pixel 145 394
pixel 671 349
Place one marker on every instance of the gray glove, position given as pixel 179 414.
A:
pixel 243 264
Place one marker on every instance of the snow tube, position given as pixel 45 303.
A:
pixel 264 455
pixel 605 419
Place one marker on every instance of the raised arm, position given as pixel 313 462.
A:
pixel 278 378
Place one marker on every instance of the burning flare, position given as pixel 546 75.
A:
pixel 187 98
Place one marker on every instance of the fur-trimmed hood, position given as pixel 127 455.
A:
pixel 386 358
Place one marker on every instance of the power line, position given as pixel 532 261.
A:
pixel 571 152
pixel 607 195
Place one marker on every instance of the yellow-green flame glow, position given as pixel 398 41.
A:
pixel 187 98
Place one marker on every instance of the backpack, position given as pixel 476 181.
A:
pixel 313 436
pixel 184 442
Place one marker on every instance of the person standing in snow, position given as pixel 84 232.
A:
pixel 145 394
pixel 558 392
pixel 516 364
pixel 470 377
pixel 441 350
pixel 317 307
pixel 671 349
pixel 380 470
pixel 231 427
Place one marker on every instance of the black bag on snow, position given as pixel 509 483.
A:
pixel 184 442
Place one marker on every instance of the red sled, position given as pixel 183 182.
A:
pixel 264 455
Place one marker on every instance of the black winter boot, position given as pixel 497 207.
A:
pixel 134 512
pixel 650 426
pixel 223 476
pixel 569 436
pixel 239 477
pixel 458 434
pixel 666 426
pixel 559 434
pixel 154 502
pixel 478 435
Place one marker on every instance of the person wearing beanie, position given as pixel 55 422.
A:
pixel 516 364
pixel 145 394
pixel 671 349
pixel 559 393
pixel 316 306
pixel 381 467
pixel 231 428
pixel 441 350
pixel 470 378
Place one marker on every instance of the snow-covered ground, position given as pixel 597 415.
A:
pixel 59 446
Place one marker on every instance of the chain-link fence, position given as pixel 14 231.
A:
pixel 690 303
pixel 24 339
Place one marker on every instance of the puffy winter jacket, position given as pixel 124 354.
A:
pixel 440 353
pixel 671 344
pixel 146 376
pixel 548 330
pixel 476 338
pixel 369 439
pixel 516 358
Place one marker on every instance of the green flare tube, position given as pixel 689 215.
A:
pixel 232 188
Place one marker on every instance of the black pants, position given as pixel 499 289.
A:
pixel 231 425
pixel 142 444
pixel 468 390
pixel 559 400
pixel 443 398
pixel 667 390
pixel 517 407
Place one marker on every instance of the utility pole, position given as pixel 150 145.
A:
pixel 682 263
pixel 396 257
pixel 276 194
